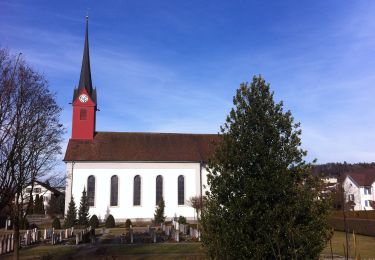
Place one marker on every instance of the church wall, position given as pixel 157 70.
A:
pixel 126 172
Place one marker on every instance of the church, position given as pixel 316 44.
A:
pixel 126 174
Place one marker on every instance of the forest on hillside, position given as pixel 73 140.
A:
pixel 338 169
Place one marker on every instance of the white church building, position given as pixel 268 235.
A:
pixel 126 174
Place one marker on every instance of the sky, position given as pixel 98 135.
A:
pixel 174 66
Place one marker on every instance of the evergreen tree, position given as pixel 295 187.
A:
pixel 36 209
pixel 71 215
pixel 52 206
pixel 56 205
pixel 61 204
pixel 110 222
pixel 263 202
pixel 94 221
pixel 159 212
pixel 30 207
pixel 56 223
pixel 83 212
pixel 41 205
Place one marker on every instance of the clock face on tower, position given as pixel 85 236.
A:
pixel 83 98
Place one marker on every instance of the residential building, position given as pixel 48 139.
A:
pixel 359 189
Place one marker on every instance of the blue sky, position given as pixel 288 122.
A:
pixel 174 66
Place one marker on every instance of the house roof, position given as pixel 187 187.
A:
pixel 49 187
pixel 126 146
pixel 365 177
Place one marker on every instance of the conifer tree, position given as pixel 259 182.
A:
pixel 110 222
pixel 36 205
pixel 94 221
pixel 263 201
pixel 159 212
pixel 71 215
pixel 52 206
pixel 83 212
pixel 30 208
pixel 41 205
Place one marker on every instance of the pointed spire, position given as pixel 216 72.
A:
pixel 85 78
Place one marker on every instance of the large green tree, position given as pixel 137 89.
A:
pixel 83 211
pixel 263 201
pixel 159 213
pixel 71 214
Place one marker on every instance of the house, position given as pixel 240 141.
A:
pixel 359 189
pixel 42 189
pixel 126 174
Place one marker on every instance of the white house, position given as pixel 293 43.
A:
pixel 42 189
pixel 126 174
pixel 359 188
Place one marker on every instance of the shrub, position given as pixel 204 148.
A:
pixel 128 223
pixel 181 220
pixel 24 224
pixel 33 225
pixel 94 221
pixel 110 222
pixel 56 223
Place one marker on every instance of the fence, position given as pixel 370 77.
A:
pixel 359 226
pixel 34 236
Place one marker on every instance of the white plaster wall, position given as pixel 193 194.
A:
pixel 351 188
pixel 365 197
pixel 126 172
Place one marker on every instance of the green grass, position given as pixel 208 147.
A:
pixel 182 248
pixel 365 245
pixel 35 252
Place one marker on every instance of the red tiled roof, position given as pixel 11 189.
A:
pixel 123 146
pixel 365 177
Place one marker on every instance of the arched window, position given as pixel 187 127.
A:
pixel 137 191
pixel 91 190
pixel 181 190
pixel 159 189
pixel 114 190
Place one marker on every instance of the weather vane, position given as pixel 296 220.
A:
pixel 87 13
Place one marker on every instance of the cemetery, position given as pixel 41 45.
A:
pixel 101 239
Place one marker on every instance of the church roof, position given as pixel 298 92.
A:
pixel 85 76
pixel 157 147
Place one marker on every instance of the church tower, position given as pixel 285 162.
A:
pixel 84 99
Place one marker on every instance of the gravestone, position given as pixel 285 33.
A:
pixel 177 235
pixel 131 234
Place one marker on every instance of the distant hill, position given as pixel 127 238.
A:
pixel 338 169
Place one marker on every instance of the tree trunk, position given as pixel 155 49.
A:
pixel 16 238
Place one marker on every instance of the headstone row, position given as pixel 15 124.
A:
pixel 6 243
pixel 31 237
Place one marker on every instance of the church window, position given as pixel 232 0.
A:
pixel 114 190
pixel 83 114
pixel 137 191
pixel 181 190
pixel 91 190
pixel 159 189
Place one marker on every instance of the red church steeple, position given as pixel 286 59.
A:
pixel 84 99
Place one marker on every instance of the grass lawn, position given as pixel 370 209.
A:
pixel 36 252
pixel 365 249
pixel 166 248
pixel 365 245
pixel 146 251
